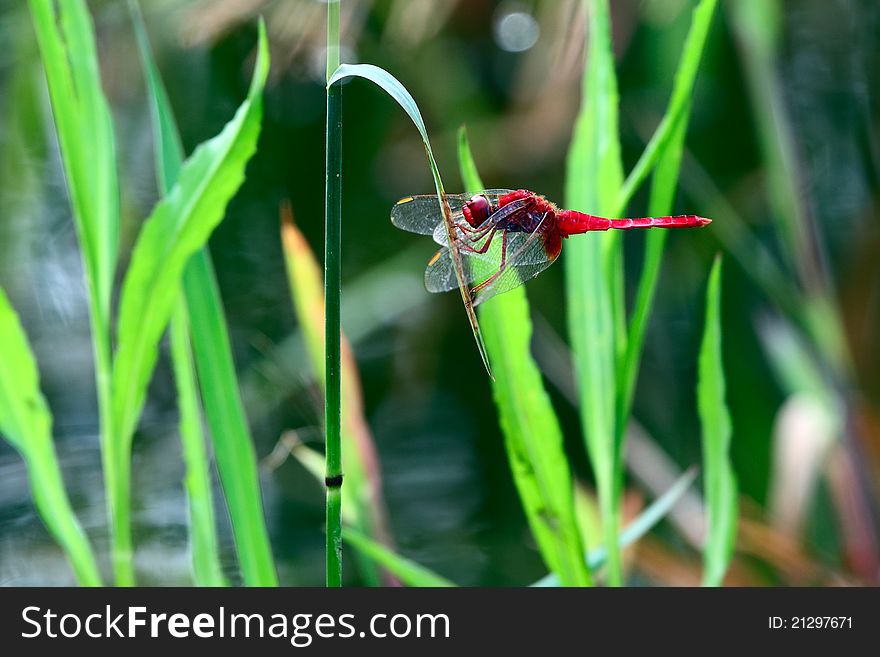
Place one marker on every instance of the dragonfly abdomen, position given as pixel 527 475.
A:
pixel 571 222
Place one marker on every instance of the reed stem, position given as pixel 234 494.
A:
pixel 332 327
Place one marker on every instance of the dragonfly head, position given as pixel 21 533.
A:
pixel 476 211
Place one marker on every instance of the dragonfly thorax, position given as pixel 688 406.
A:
pixel 527 222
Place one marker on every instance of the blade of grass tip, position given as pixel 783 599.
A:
pixel 409 572
pixel 363 488
pixel 665 139
pixel 398 92
pixel 532 434
pixel 720 489
pixel 594 175
pixel 665 182
pixel 207 570
pixel 233 444
pixel 639 527
pixel 179 226
pixel 26 422
pixel 203 539
pixel 85 135
pixel 332 319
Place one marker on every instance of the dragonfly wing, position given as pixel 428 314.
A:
pixel 528 254
pixel 494 194
pixel 422 214
pixel 440 274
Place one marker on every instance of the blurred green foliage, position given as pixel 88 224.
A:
pixel 450 495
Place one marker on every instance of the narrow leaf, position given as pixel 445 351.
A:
pixel 639 527
pixel 207 570
pixel 203 538
pixel 532 435
pixel 85 135
pixel 85 132
pixel 230 434
pixel 720 489
pixel 178 227
pixel 26 423
pixel 669 140
pixel 593 267
pixel 409 572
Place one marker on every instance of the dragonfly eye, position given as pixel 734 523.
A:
pixel 476 211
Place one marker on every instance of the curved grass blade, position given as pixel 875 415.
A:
pixel 178 227
pixel 532 435
pixel 646 521
pixel 409 572
pixel 398 92
pixel 224 410
pixel 720 489
pixel 207 570
pixel 593 268
pixel 26 422
pixel 85 135
pixel 664 150
pixel 665 182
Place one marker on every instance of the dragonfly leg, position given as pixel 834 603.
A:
pixel 501 266
pixel 482 249
pixel 474 234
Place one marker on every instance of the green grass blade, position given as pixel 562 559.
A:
pixel 178 227
pixel 594 175
pixel 166 136
pixel 409 572
pixel 169 158
pixel 639 527
pixel 26 422
pixel 398 92
pixel 230 435
pixel 203 538
pixel 664 149
pixel 532 435
pixel 213 352
pixel 363 486
pixel 719 480
pixel 663 187
pixel 85 134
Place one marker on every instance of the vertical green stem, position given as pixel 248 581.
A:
pixel 116 466
pixel 332 328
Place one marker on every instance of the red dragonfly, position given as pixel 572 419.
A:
pixel 504 237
